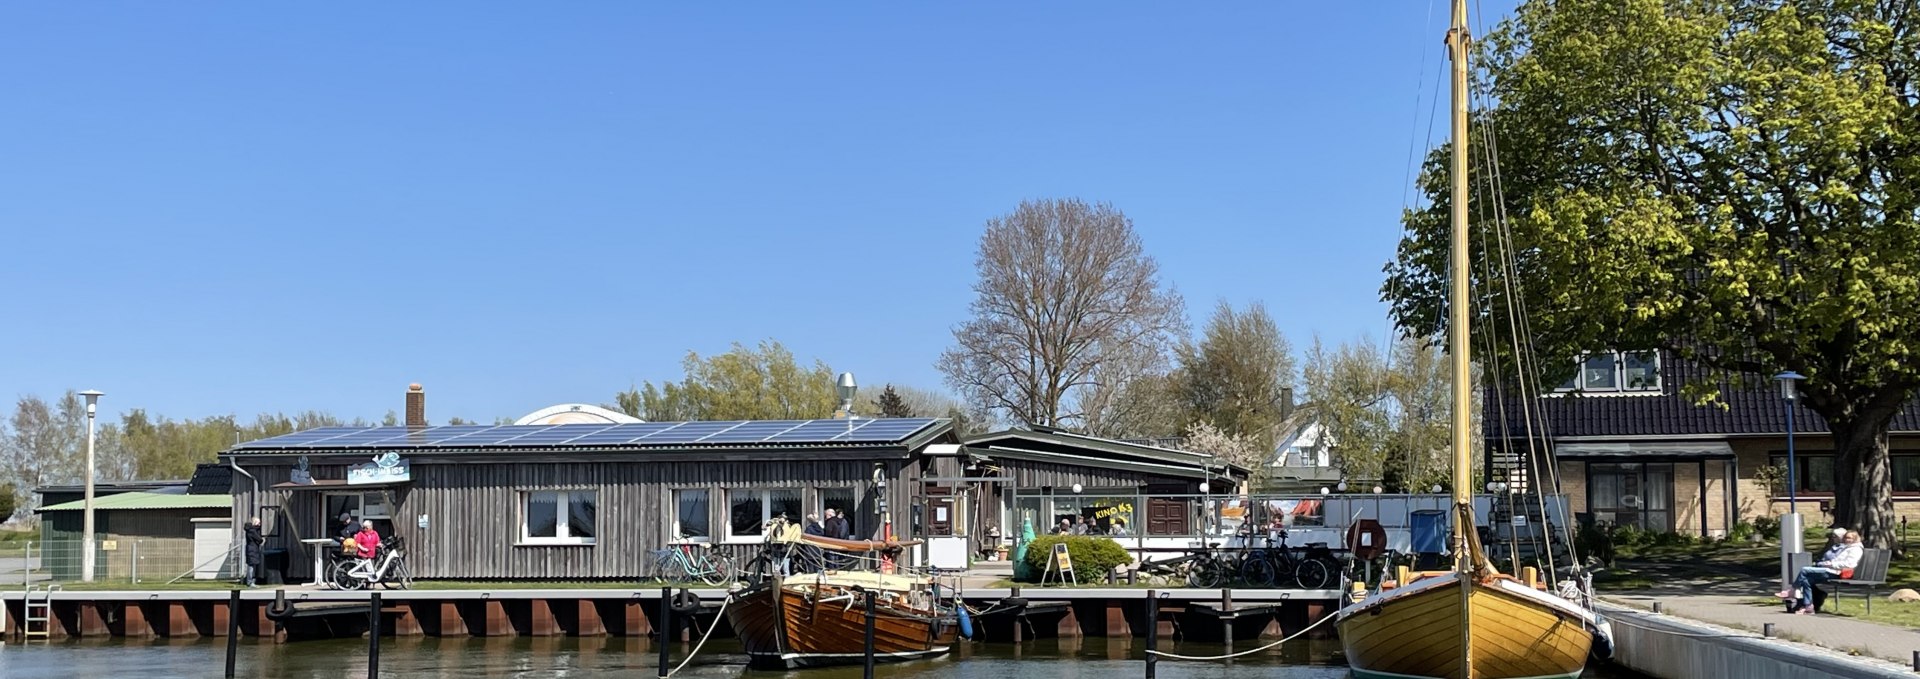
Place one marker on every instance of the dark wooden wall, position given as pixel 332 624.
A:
pixel 474 510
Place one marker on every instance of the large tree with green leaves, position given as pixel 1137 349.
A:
pixel 745 383
pixel 1239 376
pixel 1737 181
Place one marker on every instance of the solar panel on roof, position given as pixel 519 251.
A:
pixel 620 433
pixel 892 429
pixel 488 436
pixel 297 437
pixel 688 433
pixel 817 430
pixel 357 438
pixel 561 433
pixel 753 432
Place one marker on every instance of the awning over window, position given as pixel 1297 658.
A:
pixel 1691 450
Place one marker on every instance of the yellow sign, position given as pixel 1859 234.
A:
pixel 114 545
pixel 1122 508
pixel 1061 558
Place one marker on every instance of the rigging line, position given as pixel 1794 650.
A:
pixel 1413 140
pixel 1494 368
pixel 1518 317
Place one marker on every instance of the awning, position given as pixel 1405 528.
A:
pixel 335 484
pixel 1691 450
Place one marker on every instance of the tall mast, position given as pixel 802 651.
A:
pixel 1458 351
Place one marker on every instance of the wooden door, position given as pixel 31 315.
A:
pixel 1167 516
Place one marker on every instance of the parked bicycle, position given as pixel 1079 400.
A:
pixel 387 568
pixel 694 561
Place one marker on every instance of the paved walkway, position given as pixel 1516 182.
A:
pixel 1846 635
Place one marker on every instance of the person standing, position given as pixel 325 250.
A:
pixel 837 529
pixel 366 543
pixel 810 556
pixel 255 552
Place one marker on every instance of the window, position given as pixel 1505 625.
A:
pixel 1631 494
pixel 1906 474
pixel 750 510
pixel 362 506
pixel 691 519
pixel 558 517
pixel 1617 372
pixel 1813 473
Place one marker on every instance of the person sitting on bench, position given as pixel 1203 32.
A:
pixel 1837 563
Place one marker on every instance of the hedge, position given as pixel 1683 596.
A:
pixel 1093 557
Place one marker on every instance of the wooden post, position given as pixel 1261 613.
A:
pixel 866 671
pixel 233 631
pixel 1531 574
pixel 1019 619
pixel 664 628
pixel 1153 630
pixel 1226 621
pixel 373 637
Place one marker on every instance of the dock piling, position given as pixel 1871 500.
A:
pixel 373 637
pixel 1226 620
pixel 1153 630
pixel 1766 630
pixel 1656 607
pixel 664 628
pixel 866 671
pixel 233 632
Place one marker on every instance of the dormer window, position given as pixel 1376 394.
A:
pixel 1616 372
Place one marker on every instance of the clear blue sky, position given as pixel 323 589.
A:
pixel 247 208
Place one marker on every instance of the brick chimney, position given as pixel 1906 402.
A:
pixel 416 406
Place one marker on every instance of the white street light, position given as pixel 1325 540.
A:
pixel 845 387
pixel 1323 490
pixel 1205 488
pixel 86 521
pixel 1076 488
pixel 1378 490
pixel 1791 533
pixel 1342 486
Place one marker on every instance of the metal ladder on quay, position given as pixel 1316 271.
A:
pixel 38 621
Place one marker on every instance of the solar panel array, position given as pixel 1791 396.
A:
pixel 647 434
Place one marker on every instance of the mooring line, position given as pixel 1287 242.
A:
pixel 1291 637
pixel 703 636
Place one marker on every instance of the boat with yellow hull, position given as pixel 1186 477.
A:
pixel 1517 632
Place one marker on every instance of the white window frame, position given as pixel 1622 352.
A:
pixel 674 497
pixel 1620 386
pixel 563 503
pixel 766 511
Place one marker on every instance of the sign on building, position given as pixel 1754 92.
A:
pixel 385 468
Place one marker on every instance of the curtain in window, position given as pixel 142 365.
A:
pixel 692 514
pixel 543 514
pixel 580 514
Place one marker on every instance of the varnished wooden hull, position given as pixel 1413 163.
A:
pixel 1414 633
pixel 790 627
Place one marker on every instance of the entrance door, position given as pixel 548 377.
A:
pixel 940 510
pixel 1167 516
pixel 1631 494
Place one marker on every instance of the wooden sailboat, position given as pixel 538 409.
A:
pixel 820 619
pixel 1470 622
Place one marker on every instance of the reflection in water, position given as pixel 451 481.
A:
pixel 558 657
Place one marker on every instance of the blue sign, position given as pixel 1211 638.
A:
pixel 385 468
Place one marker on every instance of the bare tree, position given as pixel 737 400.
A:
pixel 1065 292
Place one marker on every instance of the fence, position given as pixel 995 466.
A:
pixel 122 560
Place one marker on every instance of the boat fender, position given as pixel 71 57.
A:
pixel 1602 648
pixel 1013 602
pixel 280 609
pixel 966 623
pixel 684 602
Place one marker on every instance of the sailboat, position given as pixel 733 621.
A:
pixel 1471 622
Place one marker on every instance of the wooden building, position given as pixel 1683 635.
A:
pixel 998 482
pixel 577 501
pixel 166 531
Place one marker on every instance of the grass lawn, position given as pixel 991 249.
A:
pixel 19 536
pixel 1005 583
pixel 1900 614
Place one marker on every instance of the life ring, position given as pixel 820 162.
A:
pixel 280 609
pixel 1366 539
pixel 684 603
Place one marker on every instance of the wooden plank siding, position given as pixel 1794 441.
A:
pixel 1028 474
pixel 475 508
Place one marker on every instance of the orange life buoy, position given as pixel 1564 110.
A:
pixel 1366 539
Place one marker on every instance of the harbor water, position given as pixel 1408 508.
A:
pixel 564 657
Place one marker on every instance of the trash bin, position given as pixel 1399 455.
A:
pixel 274 562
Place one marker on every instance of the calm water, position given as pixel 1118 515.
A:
pixel 470 658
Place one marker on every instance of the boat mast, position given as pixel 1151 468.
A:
pixel 1458 350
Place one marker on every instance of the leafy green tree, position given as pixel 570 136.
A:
pixel 745 383
pixel 1239 376
pixel 1737 181
pixel 1387 414
pixel 8 503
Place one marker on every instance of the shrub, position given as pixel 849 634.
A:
pixel 1742 532
pixel 1594 542
pixel 1093 557
pixel 1767 526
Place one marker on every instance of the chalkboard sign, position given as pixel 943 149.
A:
pixel 1059 565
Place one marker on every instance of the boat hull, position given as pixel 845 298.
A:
pixel 808 625
pixel 1414 633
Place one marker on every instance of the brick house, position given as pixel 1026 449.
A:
pixel 1631 450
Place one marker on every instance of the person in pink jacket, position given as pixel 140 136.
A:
pixel 365 541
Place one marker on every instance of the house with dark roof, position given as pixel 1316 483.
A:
pixel 1629 449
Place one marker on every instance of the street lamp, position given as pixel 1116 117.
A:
pixel 86 521
pixel 1342 486
pixel 1792 533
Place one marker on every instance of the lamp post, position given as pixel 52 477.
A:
pixel 1792 532
pixel 86 520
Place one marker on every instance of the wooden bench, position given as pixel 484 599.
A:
pixel 1870 574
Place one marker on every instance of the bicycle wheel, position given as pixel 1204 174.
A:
pixel 1313 574
pixel 718 571
pixel 342 577
pixel 1257 572
pixel 1206 574
pixel 400 578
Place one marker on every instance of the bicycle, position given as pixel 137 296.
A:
pixel 388 568
pixel 1210 569
pixel 677 563
pixel 1272 566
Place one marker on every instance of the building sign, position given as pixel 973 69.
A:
pixel 385 468
pixel 1122 508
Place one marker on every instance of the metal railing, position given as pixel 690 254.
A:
pixel 123 560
